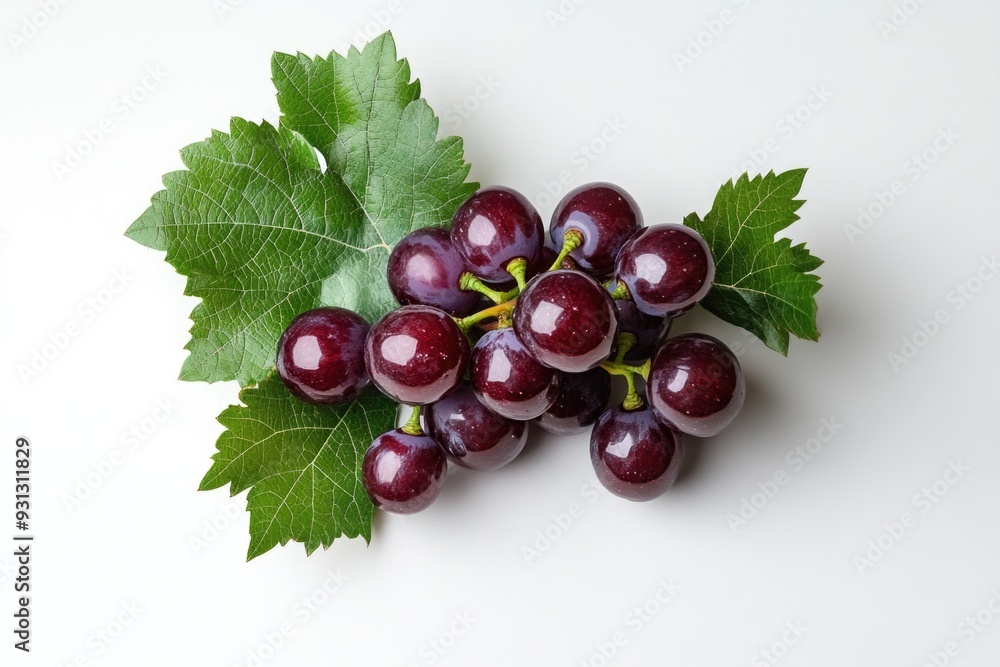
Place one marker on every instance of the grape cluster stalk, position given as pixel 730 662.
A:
pixel 499 326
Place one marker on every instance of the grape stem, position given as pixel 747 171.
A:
pixel 517 268
pixel 572 240
pixel 412 425
pixel 471 283
pixel 633 401
pixel 620 368
pixel 620 292
pixel 626 341
pixel 501 312
pixel 504 301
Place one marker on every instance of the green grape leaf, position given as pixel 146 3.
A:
pixel 761 284
pixel 264 232
pixel 302 464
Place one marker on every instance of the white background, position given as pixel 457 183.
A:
pixel 557 81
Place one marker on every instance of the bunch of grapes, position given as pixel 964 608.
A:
pixel 498 328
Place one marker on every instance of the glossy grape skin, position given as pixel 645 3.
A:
pixel 634 455
pixel 666 268
pixel 582 398
pixel 494 226
pixel 321 355
pixel 510 381
pixel 566 320
pixel 471 434
pixel 424 268
pixel 403 473
pixel 648 330
pixel 416 354
pixel 696 384
pixel 605 214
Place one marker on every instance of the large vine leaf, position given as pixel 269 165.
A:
pixel 268 221
pixel 302 464
pixel 761 284
pixel 263 232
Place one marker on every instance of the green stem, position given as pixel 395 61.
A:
pixel 505 319
pixel 471 283
pixel 512 293
pixel 620 292
pixel 633 401
pixel 619 368
pixel 643 371
pixel 412 425
pixel 572 240
pixel 498 311
pixel 625 343
pixel 517 268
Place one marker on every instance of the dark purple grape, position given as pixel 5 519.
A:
pixel 471 434
pixel 566 320
pixel 666 268
pixel 649 331
pixel 605 214
pixel 424 268
pixel 634 455
pixel 493 227
pixel 416 354
pixel 696 384
pixel 582 398
pixel 510 381
pixel 403 473
pixel 321 355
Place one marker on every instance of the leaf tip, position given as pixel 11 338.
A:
pixel 257 547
